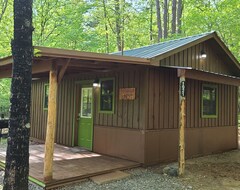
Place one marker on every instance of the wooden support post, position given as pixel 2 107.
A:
pixel 51 125
pixel 182 121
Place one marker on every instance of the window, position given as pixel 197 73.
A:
pixel 209 101
pixel 107 95
pixel 46 93
pixel 86 103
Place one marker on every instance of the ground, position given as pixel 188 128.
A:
pixel 213 172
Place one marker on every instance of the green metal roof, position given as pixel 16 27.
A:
pixel 154 50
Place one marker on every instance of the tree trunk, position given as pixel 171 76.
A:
pixel 159 21
pixel 179 16
pixel 165 19
pixel 106 26
pixel 151 22
pixel 17 158
pixel 118 25
pixel 174 19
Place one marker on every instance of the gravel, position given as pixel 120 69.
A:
pixel 150 178
pixel 140 179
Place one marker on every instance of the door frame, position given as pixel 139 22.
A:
pixel 77 104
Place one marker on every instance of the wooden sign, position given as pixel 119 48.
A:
pixel 127 94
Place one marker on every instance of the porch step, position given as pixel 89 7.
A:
pixel 109 177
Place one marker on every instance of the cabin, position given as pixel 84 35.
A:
pixel 128 104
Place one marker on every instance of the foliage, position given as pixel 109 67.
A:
pixel 5 93
pixel 86 25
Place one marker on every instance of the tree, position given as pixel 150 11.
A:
pixel 165 19
pixel 159 21
pixel 179 16
pixel 106 26
pixel 174 19
pixel 17 158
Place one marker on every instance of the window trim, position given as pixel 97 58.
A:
pixel 99 97
pixel 209 116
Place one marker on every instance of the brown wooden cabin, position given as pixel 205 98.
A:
pixel 134 113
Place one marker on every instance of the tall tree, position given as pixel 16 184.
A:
pixel 106 26
pixel 165 19
pixel 174 18
pixel 151 22
pixel 118 25
pixel 179 16
pixel 159 21
pixel 17 158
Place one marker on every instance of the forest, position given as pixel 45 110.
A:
pixel 106 26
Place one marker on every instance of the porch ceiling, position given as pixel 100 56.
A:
pixel 41 66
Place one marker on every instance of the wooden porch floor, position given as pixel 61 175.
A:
pixel 71 164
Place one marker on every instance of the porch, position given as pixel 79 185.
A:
pixel 71 164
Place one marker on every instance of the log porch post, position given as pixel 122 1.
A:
pixel 182 121
pixel 51 124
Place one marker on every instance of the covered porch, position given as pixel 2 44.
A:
pixel 70 164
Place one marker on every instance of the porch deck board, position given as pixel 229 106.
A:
pixel 72 164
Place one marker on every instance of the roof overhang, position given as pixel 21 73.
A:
pixel 207 76
pixel 44 57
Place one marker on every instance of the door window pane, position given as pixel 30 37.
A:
pixel 86 103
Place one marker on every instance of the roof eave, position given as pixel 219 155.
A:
pixel 63 53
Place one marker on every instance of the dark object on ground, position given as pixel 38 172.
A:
pixel 171 171
pixel 3 125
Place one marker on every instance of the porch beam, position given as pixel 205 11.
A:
pixel 211 77
pixel 51 124
pixel 63 70
pixel 36 68
pixel 182 121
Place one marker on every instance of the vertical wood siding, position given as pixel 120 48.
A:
pixel 191 58
pixel 65 107
pixel 156 105
pixel 38 115
pixel 227 105
pixel 127 113
pixel 163 102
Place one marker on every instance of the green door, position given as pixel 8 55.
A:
pixel 85 129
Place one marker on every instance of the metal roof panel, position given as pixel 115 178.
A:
pixel 154 50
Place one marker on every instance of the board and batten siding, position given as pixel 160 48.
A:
pixel 38 114
pixel 190 57
pixel 127 113
pixel 227 105
pixel 163 102
pixel 65 112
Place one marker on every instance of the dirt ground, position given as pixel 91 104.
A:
pixel 213 172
